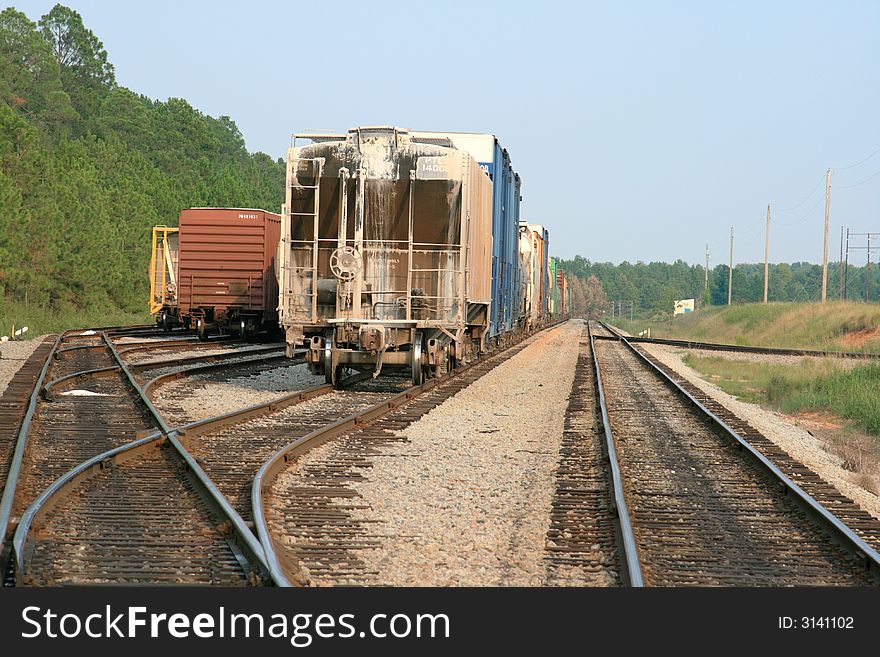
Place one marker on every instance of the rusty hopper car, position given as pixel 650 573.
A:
pixel 386 254
pixel 225 276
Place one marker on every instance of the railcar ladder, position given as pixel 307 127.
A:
pixel 308 169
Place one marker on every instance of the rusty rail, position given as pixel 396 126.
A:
pixel 18 455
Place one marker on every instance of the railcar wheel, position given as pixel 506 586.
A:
pixel 242 329
pixel 416 361
pixel 202 328
pixel 329 374
pixel 166 322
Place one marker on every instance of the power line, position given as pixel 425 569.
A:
pixel 871 177
pixel 852 166
pixel 804 200
pixel 808 213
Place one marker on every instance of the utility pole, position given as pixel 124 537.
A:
pixel 706 271
pixel 846 267
pixel 730 271
pixel 766 252
pixel 868 271
pixel 840 267
pixel 825 256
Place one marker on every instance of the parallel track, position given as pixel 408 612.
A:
pixel 604 330
pixel 705 508
pixel 584 538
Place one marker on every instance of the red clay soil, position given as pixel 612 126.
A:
pixel 817 419
pixel 859 338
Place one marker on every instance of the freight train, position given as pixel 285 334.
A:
pixel 394 250
pixel 216 271
pixel 404 250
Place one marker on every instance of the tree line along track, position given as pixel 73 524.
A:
pixel 704 509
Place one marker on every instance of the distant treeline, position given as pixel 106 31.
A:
pixel 87 167
pixel 653 287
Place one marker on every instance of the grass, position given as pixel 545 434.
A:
pixel 851 396
pixel 41 320
pixel 836 326
pixel 812 385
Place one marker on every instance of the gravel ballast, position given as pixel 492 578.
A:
pixel 13 354
pixel 198 397
pixel 465 499
pixel 795 440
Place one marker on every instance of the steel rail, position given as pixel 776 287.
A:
pixel 157 345
pixel 12 476
pixel 746 349
pixel 203 483
pixel 830 523
pixel 44 503
pixel 244 537
pixel 46 391
pixel 273 465
pixel 200 369
pixel 40 506
pixel 208 358
pixel 629 546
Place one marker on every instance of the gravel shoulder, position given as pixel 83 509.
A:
pixel 794 439
pixel 13 354
pixel 199 397
pixel 465 500
pixel 765 359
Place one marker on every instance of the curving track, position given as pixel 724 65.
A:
pixel 102 496
pixel 308 535
pixel 156 504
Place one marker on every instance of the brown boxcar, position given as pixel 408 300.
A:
pixel 225 275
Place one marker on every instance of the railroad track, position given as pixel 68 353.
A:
pixel 584 537
pixel 603 330
pixel 307 515
pixel 14 403
pixel 53 437
pixel 149 511
pixel 102 496
pixel 705 505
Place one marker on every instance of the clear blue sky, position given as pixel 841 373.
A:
pixel 641 130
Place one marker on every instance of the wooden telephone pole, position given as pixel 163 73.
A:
pixel 706 271
pixel 825 256
pixel 730 271
pixel 766 253
pixel 840 267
